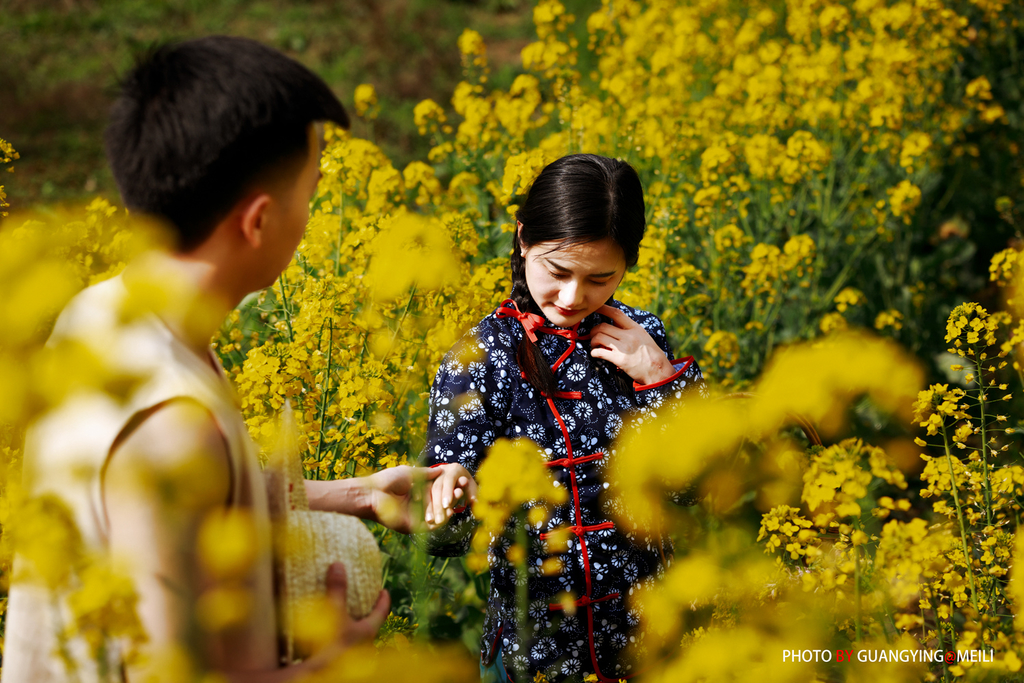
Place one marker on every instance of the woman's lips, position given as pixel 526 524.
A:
pixel 566 312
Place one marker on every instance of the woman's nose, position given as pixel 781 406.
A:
pixel 570 295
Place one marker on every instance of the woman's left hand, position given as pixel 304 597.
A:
pixel 455 482
pixel 628 345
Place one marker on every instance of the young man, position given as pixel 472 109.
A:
pixel 216 138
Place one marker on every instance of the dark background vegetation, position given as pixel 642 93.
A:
pixel 62 59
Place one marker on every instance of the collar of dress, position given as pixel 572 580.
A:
pixel 533 323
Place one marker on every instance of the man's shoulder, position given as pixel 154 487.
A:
pixel 93 311
pixel 177 436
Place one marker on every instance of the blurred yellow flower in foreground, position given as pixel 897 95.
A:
pixel 513 473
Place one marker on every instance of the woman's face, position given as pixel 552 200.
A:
pixel 571 281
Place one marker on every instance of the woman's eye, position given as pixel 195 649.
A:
pixel 559 276
pixel 600 282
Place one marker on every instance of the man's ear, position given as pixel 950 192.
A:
pixel 252 218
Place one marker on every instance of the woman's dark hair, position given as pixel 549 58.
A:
pixel 578 198
pixel 197 123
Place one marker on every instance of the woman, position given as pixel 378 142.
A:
pixel 563 364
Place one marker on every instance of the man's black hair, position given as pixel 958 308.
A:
pixel 198 122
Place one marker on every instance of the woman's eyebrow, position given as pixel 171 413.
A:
pixel 560 267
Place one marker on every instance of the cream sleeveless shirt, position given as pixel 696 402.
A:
pixel 65 454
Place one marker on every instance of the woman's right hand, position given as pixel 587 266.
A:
pixel 454 483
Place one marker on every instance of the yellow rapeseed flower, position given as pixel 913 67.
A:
pixel 366 101
pixel 513 473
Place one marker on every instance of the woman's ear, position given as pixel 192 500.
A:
pixel 253 218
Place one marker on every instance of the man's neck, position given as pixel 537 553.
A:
pixel 186 292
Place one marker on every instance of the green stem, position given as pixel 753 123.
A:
pixel 401 321
pixel 845 272
pixel 938 633
pixel 286 307
pixel 793 227
pixel 830 185
pixel 856 589
pixel 984 443
pixel 960 518
pixel 329 323
pixel 341 226
pixel 950 191
pixel 421 564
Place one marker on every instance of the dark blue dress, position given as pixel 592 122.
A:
pixel 472 405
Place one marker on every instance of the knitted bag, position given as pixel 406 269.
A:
pixel 306 542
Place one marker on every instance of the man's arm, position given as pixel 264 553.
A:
pixel 161 482
pixel 383 497
pixel 168 476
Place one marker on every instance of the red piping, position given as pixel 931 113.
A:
pixel 583 602
pixel 569 462
pixel 561 332
pixel 686 363
pixel 494 645
pixel 570 333
pixel 568 351
pixel 580 530
pixel 558 394
pixel 583 551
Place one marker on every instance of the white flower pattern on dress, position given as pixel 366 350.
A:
pixel 575 372
pixel 612 426
pixel 536 433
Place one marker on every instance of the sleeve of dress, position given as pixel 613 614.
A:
pixel 685 382
pixel 469 406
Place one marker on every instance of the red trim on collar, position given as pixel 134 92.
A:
pixel 531 322
pixel 564 356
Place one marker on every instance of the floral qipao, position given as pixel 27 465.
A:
pixel 476 402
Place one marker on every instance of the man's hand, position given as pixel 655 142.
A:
pixel 383 497
pixel 350 631
pixel 354 631
pixel 392 491
pixel 628 345
pixel 454 483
